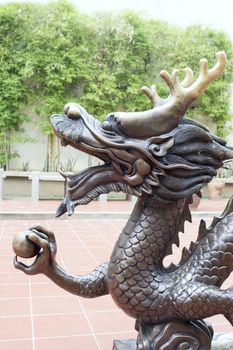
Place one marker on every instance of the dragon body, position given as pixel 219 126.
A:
pixel 146 290
pixel 162 158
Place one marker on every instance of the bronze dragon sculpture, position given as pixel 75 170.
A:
pixel 162 158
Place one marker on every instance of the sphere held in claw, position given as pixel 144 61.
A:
pixel 23 247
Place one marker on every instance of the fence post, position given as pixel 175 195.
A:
pixel 133 199
pixel 35 185
pixel 1 183
pixel 103 198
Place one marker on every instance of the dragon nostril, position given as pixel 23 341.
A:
pixel 124 168
pixel 107 126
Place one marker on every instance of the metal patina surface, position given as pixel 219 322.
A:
pixel 163 158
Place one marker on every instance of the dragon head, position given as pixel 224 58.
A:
pixel 156 153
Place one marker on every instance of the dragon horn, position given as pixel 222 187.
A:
pixel 167 114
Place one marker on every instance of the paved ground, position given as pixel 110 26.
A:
pixel 36 314
pixel 45 209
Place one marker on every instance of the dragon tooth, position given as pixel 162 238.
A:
pixel 137 191
pixel 151 181
pixel 147 188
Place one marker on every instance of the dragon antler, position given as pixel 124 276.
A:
pixel 152 94
pixel 167 113
pixel 188 93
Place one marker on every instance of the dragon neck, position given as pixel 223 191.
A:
pixel 150 232
pixel 136 264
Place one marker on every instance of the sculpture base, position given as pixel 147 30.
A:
pixel 221 341
pixel 124 344
pixel 196 335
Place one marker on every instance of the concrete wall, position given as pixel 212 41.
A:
pixel 19 184
pixel 34 153
pixel 16 187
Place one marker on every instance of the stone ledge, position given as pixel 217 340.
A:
pixel 222 341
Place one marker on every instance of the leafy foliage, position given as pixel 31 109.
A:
pixel 52 54
pixel 12 89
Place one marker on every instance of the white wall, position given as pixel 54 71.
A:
pixel 35 153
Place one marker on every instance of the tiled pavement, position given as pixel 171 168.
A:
pixel 19 206
pixel 35 314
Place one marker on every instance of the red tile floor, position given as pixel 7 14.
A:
pixel 37 315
